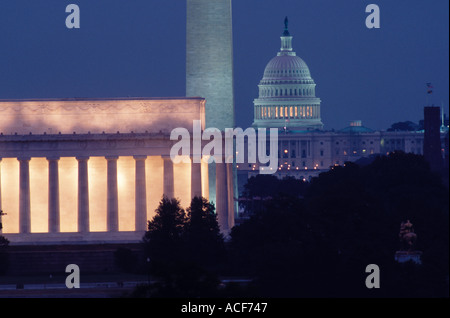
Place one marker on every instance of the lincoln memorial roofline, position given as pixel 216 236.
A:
pixel 99 99
pixel 96 115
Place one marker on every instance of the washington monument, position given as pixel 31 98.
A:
pixel 209 74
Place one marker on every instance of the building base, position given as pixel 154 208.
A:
pixel 75 238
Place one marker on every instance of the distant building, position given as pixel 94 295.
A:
pixel 287 98
pixel 287 101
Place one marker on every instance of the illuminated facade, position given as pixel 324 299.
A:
pixel 287 97
pixel 93 170
pixel 287 101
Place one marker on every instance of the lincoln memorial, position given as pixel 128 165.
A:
pixel 95 170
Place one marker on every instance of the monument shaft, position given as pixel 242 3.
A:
pixel 209 73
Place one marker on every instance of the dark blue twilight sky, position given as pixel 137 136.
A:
pixel 137 48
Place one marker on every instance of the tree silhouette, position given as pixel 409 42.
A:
pixel 203 240
pixel 349 218
pixel 182 247
pixel 163 241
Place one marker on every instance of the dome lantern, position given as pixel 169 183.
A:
pixel 286 39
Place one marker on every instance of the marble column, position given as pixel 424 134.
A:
pixel 230 189
pixel 53 196
pixel 196 179
pixel 168 186
pixel 24 196
pixel 112 207
pixel 83 195
pixel 222 197
pixel 140 194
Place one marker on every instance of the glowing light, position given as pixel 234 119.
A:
pixel 126 193
pixel 39 195
pixel 10 189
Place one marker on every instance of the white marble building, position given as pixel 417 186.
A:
pixel 287 101
pixel 94 170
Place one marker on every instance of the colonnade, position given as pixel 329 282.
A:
pixel 224 193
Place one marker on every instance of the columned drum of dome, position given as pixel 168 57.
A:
pixel 287 96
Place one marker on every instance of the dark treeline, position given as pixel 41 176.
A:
pixel 309 239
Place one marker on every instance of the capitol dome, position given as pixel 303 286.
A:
pixel 286 67
pixel 287 97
